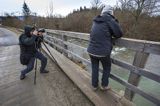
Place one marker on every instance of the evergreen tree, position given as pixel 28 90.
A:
pixel 26 10
pixel 81 9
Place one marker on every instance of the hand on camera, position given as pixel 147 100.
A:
pixel 113 41
pixel 35 32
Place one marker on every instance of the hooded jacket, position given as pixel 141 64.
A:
pixel 103 29
pixel 27 45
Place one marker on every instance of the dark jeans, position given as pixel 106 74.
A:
pixel 106 63
pixel 30 65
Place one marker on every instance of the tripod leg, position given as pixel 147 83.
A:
pixel 49 51
pixel 35 72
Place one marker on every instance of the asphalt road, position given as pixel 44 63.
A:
pixel 8 38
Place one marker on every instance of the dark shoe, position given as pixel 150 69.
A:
pixel 22 76
pixel 44 71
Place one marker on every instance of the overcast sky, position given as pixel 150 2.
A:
pixel 62 7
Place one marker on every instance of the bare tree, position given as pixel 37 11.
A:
pixel 123 4
pixel 50 10
pixel 139 7
pixel 96 4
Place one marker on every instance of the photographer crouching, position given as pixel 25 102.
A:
pixel 30 42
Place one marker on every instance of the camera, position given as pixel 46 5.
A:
pixel 41 30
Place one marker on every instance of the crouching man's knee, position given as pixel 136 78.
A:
pixel 30 68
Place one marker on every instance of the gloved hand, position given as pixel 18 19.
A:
pixel 116 20
pixel 113 40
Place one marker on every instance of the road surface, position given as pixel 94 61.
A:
pixel 7 37
pixel 52 89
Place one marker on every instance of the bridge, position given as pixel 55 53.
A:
pixel 68 82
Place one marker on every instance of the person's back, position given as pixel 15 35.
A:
pixel 105 27
pixel 27 45
pixel 26 49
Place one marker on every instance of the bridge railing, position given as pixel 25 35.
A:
pixel 62 41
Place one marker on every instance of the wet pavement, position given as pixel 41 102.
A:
pixel 8 38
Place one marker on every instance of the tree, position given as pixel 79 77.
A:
pixel 138 10
pixel 50 10
pixel 9 20
pixel 81 9
pixel 96 4
pixel 139 7
pixel 26 10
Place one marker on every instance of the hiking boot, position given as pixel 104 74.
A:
pixel 44 71
pixel 22 76
pixel 104 88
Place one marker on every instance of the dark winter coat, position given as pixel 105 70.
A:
pixel 27 45
pixel 104 28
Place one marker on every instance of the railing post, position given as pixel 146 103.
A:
pixel 64 38
pixel 139 61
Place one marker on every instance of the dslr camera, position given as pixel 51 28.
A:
pixel 41 30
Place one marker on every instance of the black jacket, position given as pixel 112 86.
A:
pixel 27 45
pixel 103 29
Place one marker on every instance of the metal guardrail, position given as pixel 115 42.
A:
pixel 142 47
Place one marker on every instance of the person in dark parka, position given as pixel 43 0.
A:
pixel 29 45
pixel 104 28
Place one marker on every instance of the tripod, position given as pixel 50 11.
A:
pixel 35 72
pixel 35 75
pixel 49 51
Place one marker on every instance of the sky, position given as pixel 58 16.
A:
pixel 41 7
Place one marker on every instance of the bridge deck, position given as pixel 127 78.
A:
pixel 83 80
pixel 53 89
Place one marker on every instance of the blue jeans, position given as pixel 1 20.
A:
pixel 30 65
pixel 106 64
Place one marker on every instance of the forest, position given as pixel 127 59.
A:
pixel 139 19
